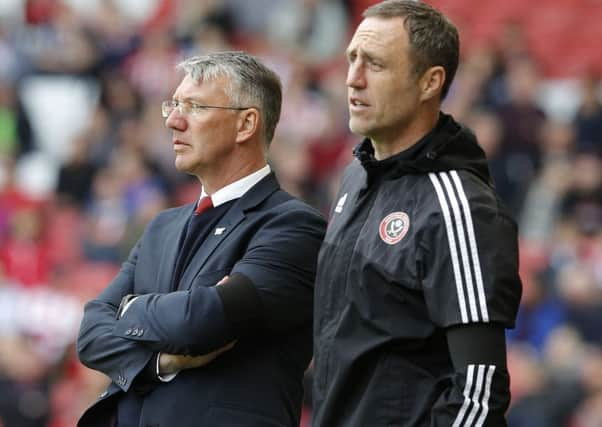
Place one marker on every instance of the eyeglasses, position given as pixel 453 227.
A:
pixel 190 108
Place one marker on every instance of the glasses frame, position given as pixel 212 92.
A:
pixel 193 108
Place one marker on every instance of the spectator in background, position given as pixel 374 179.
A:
pixel 292 162
pixel 119 103
pixel 541 398
pixel 11 199
pixel 150 67
pixel 119 98
pixel 582 202
pixel 24 257
pixel 209 37
pixel 302 105
pixel 581 293
pixel 36 329
pixel 113 33
pixel 473 83
pixel 76 174
pixel 588 121
pixel 8 121
pixel 522 121
pixel 106 218
pixel 15 128
pixel 489 130
pixel 204 26
pixel 542 209
pixel 9 64
pixel 58 42
pixel 312 30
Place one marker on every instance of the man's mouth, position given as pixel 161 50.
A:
pixel 355 102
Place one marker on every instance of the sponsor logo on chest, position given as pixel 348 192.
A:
pixel 394 227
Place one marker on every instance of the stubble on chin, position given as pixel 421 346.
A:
pixel 357 128
pixel 180 164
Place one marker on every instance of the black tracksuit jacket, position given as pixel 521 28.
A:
pixel 416 244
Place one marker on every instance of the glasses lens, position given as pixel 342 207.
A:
pixel 166 108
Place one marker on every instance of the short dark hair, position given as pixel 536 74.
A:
pixel 251 83
pixel 433 38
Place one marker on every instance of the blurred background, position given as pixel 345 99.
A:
pixel 85 162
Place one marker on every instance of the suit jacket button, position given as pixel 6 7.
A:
pixel 128 332
pixel 140 332
pixel 135 332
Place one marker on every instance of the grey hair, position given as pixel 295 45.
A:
pixel 433 37
pixel 251 84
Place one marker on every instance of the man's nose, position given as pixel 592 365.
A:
pixel 356 77
pixel 176 120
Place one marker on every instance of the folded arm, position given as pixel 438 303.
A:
pixel 98 348
pixel 269 291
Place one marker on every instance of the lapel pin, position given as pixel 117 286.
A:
pixel 219 231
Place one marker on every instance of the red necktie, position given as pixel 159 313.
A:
pixel 204 204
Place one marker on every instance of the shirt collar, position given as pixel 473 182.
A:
pixel 238 188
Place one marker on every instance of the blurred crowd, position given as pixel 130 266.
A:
pixel 85 162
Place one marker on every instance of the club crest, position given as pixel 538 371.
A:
pixel 394 227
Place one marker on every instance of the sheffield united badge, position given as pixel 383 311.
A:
pixel 394 227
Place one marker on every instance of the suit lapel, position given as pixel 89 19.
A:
pixel 229 222
pixel 171 248
pixel 232 219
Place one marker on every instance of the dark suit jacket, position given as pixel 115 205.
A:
pixel 268 237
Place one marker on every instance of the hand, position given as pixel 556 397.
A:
pixel 172 363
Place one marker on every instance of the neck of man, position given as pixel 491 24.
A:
pixel 227 173
pixel 422 123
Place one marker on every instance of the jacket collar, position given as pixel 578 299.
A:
pixel 258 193
pixel 448 146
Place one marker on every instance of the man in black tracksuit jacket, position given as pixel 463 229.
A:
pixel 418 273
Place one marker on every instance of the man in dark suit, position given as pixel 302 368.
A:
pixel 208 323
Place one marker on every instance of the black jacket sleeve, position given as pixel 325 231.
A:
pixel 479 392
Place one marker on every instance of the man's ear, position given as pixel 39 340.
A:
pixel 431 82
pixel 247 124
